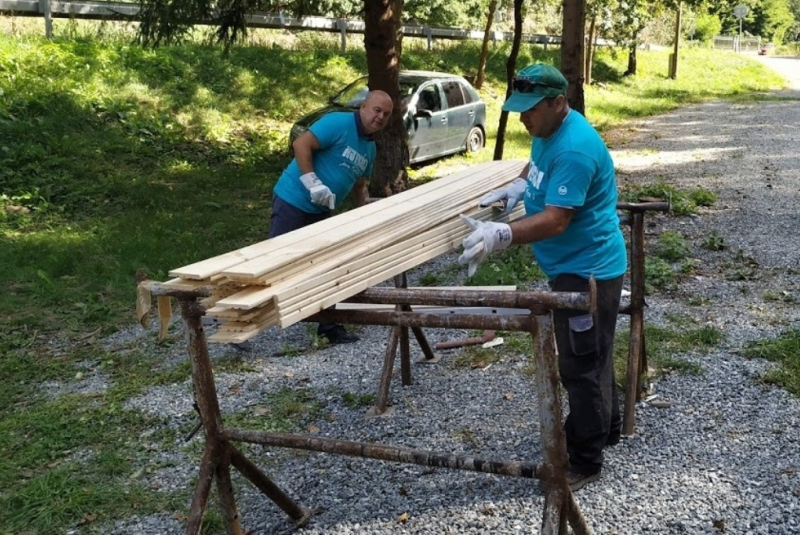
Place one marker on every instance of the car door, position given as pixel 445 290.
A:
pixel 428 124
pixel 461 114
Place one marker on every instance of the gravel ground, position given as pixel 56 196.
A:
pixel 723 457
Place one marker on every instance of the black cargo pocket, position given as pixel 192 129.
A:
pixel 582 335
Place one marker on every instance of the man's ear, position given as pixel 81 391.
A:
pixel 561 102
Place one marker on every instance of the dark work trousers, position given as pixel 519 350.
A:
pixel 586 363
pixel 286 218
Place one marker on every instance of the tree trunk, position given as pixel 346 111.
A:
pixel 383 45
pixel 590 46
pixel 572 63
pixel 511 70
pixel 631 61
pixel 485 46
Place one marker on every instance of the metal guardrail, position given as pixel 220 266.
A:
pixel 737 44
pixel 129 11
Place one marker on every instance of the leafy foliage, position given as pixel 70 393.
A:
pixel 672 246
pixel 707 26
pixel 445 13
pixel 513 266
pixel 682 202
pixel 658 274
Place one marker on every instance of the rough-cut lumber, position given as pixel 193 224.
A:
pixel 212 266
pixel 404 213
pixel 289 278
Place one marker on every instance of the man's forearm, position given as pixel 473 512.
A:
pixel 304 161
pixel 360 194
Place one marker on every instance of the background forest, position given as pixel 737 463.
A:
pixel 777 21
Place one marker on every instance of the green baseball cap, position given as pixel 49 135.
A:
pixel 533 84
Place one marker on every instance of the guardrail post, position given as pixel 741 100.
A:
pixel 44 8
pixel 343 32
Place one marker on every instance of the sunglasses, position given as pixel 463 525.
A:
pixel 526 85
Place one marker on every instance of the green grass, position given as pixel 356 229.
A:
pixel 667 346
pixel 116 158
pixel 785 350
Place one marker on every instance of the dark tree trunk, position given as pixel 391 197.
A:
pixel 572 63
pixel 383 44
pixel 590 45
pixel 511 70
pixel 485 47
pixel 631 61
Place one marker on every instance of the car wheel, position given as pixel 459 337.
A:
pixel 475 140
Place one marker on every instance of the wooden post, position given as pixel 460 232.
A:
pixel 44 8
pixel 635 349
pixel 673 64
pixel 343 32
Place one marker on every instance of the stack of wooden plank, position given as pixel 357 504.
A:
pixel 288 278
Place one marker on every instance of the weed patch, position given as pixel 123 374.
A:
pixel 513 266
pixel 785 350
pixel 666 345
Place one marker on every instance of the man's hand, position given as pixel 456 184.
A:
pixel 320 193
pixel 510 195
pixel 487 237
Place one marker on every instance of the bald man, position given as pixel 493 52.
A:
pixel 332 158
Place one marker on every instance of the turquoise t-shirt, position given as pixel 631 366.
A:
pixel 573 169
pixel 344 156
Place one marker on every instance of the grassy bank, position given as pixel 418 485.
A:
pixel 116 158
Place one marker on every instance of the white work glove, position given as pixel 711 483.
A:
pixel 487 237
pixel 511 194
pixel 320 193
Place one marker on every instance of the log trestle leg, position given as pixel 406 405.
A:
pixel 398 336
pixel 219 453
pixel 559 504
pixel 637 379
pixel 636 358
pixel 382 399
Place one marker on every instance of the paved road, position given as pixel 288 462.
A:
pixel 787 67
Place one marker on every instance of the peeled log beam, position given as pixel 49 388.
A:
pixel 383 452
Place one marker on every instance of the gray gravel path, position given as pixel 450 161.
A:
pixel 723 457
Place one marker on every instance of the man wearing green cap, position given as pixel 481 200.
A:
pixel 570 193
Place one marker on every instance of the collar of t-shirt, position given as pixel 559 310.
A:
pixel 360 127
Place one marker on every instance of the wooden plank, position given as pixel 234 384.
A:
pixel 236 314
pixel 211 266
pixel 188 285
pixel 341 235
pixel 254 296
pixel 222 337
pixel 396 267
pixel 352 288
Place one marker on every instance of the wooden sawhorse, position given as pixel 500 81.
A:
pixel 560 507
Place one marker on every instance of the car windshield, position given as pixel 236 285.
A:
pixel 354 94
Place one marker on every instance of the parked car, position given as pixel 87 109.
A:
pixel 442 112
pixel 766 49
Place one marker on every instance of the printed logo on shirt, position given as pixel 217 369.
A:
pixel 562 190
pixel 535 176
pixel 357 159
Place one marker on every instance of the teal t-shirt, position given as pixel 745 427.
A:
pixel 344 156
pixel 573 169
